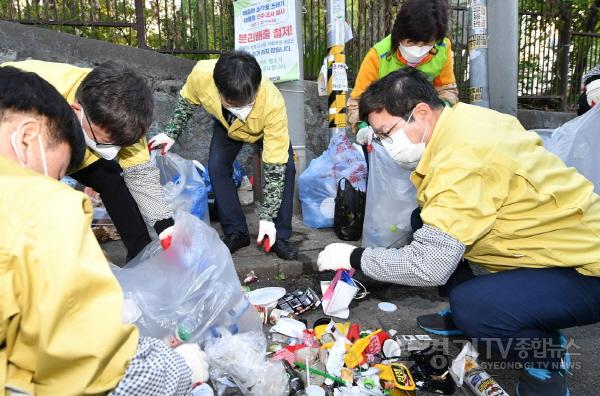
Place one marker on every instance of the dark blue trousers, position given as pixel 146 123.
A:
pixel 516 314
pixel 223 152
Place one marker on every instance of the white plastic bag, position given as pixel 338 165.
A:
pixel 189 292
pixel 577 143
pixel 317 185
pixel 391 199
pixel 183 185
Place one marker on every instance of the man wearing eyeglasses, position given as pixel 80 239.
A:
pixel 491 195
pixel 114 106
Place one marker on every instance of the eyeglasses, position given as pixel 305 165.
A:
pixel 385 136
pixel 98 144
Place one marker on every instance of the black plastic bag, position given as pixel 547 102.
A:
pixel 349 211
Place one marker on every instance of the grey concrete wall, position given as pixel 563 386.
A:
pixel 166 75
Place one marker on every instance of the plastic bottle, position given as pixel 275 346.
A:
pixel 203 390
pixel 238 319
pixel 186 328
pixel 296 385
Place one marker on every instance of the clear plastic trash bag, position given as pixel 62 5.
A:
pixel 191 291
pixel 238 364
pixel 317 185
pixel 577 143
pixel 391 199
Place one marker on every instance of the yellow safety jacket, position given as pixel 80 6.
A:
pixel 61 331
pixel 66 79
pixel 490 184
pixel 267 120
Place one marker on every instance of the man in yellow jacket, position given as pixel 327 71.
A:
pixel 246 108
pixel 488 191
pixel 114 106
pixel 61 330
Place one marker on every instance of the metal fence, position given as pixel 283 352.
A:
pixel 553 56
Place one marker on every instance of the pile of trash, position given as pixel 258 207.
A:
pixel 342 358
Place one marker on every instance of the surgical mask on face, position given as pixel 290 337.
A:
pixel 13 141
pixel 241 113
pixel 107 152
pixel 404 152
pixel 414 54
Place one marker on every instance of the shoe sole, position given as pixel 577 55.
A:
pixel 518 394
pixel 442 332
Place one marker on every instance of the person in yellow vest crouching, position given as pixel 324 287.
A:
pixel 491 195
pixel 61 329
pixel 114 106
pixel 246 108
pixel 418 40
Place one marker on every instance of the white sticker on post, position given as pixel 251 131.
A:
pixel 339 77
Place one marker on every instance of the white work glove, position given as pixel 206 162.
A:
pixel 364 136
pixel 196 360
pixel 335 256
pixel 266 234
pixel 161 141
pixel 592 91
pixel 166 236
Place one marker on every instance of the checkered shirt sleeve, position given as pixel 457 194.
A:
pixel 429 260
pixel 143 182
pixel 155 370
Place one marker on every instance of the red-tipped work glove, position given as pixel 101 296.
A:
pixel 161 141
pixel 165 238
pixel 266 234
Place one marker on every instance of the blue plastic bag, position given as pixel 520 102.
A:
pixel 237 176
pixel 317 185
pixel 183 185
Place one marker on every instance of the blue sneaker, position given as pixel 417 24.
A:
pixel 541 382
pixel 440 323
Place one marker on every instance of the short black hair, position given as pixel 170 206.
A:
pixel 420 21
pixel 119 100
pixel 398 93
pixel 27 92
pixel 237 76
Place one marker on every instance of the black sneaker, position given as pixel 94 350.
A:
pixel 540 382
pixel 535 381
pixel 236 241
pixel 284 250
pixel 440 323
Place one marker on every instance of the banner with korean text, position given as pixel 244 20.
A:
pixel 268 31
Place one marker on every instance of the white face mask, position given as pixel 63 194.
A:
pixel 404 152
pixel 107 152
pixel 414 54
pixel 13 141
pixel 241 113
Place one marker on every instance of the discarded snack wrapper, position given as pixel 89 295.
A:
pixel 414 342
pixel 430 371
pixel 397 373
pixel 299 301
pixel 250 278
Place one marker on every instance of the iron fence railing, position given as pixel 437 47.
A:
pixel 558 42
